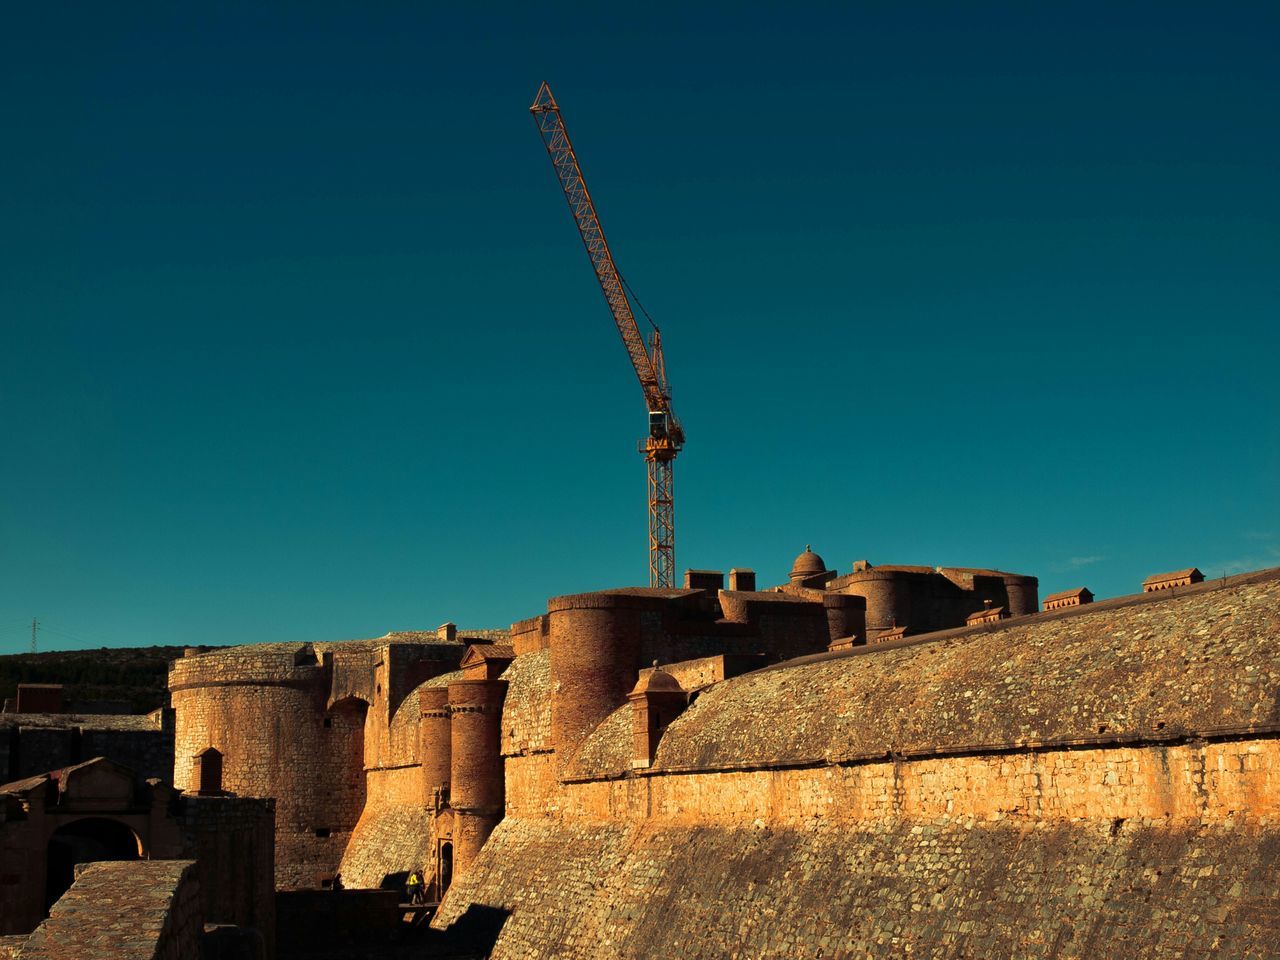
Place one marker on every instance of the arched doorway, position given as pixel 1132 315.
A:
pixel 444 875
pixel 85 841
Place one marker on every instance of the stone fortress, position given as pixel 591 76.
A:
pixel 894 761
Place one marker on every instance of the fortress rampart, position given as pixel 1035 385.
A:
pixel 794 758
pixel 1096 785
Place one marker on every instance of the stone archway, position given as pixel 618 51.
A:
pixel 84 841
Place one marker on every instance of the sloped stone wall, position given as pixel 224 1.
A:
pixel 129 910
pixel 950 888
pixel 390 838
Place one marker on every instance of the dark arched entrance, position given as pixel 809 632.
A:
pixel 445 875
pixel 85 841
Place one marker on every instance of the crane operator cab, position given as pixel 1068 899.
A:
pixel 657 424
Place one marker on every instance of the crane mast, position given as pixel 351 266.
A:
pixel 666 436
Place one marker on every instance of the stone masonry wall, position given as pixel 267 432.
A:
pixel 264 710
pixel 1093 786
pixel 126 910
pixel 390 838
pixel 394 833
pixel 233 839
pixel 951 888
pixel 32 744
pixel 329 730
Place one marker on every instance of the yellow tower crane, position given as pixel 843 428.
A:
pixel 666 436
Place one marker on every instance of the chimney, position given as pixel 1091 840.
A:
pixel 448 632
pixel 704 579
pixel 741 578
pixel 206 773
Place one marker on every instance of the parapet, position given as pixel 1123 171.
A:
pixel 622 598
pixel 528 636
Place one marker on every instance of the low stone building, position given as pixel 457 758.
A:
pixel 1068 598
pixel 32 743
pixel 1167 581
pixel 98 810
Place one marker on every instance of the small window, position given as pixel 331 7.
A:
pixel 328 722
pixel 322 831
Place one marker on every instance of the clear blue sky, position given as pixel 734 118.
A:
pixel 298 341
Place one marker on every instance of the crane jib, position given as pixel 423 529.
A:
pixel 565 162
pixel 666 436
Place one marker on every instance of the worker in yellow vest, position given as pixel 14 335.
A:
pixel 414 885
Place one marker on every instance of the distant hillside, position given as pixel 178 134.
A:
pixel 135 675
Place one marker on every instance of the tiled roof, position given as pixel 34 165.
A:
pixel 1035 679
pixel 1068 594
pixel 1175 575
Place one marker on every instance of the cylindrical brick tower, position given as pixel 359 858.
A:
pixel 434 737
pixel 886 595
pixel 1023 594
pixel 846 615
pixel 595 641
pixel 470 831
pixel 476 776
pixel 264 711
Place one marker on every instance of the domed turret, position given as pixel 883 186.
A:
pixel 808 564
pixel 656 681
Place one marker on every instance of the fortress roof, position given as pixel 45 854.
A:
pixel 1152 666
pixel 82 721
pixel 1202 660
